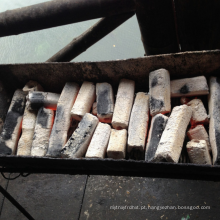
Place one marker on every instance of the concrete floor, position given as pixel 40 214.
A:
pixel 60 197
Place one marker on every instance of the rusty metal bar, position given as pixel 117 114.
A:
pixel 59 12
pixel 15 203
pixel 88 38
pixel 157 25
pixel 107 166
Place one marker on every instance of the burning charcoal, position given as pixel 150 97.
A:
pixel 12 127
pixel 184 100
pixel 94 108
pixel 98 145
pixel 105 102
pixel 123 105
pixel 36 100
pixel 138 125
pixel 84 100
pixel 77 145
pixel 189 87
pixel 32 86
pixel 117 144
pixel 214 124
pixel 199 133
pixel 62 121
pixel 199 114
pixel 159 84
pixel 171 142
pixel 42 131
pixel 157 127
pixel 5 99
pixel 28 123
pixel 198 152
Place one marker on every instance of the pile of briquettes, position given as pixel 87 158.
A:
pixel 90 121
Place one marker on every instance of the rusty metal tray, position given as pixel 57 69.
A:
pixel 53 77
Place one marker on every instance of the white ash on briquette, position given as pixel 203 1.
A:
pixel 157 127
pixel 199 133
pixel 62 121
pixel 198 152
pixel 78 143
pixel 43 126
pixel 105 102
pixel 159 91
pixel 123 104
pixel 98 145
pixel 138 124
pixel 214 124
pixel 12 127
pixel 26 139
pixel 189 87
pixel 28 123
pixel 84 100
pixel 117 144
pixel 199 114
pixel 36 100
pixel 171 142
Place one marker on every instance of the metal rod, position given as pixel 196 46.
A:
pixel 15 203
pixel 80 44
pixel 157 25
pixel 59 12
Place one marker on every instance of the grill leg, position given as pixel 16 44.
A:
pixel 15 203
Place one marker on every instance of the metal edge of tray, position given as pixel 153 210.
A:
pixel 181 64
pixel 87 166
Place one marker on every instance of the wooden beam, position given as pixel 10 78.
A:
pixel 80 44
pixel 198 24
pixel 157 25
pixel 59 12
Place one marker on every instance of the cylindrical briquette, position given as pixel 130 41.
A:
pixel 5 99
pixel 117 144
pixel 123 104
pixel 214 113
pixel 42 132
pixel 171 142
pixel 199 114
pixel 159 90
pixel 36 100
pixel 105 102
pixel 62 121
pixel 138 124
pixel 189 87
pixel 28 123
pixel 157 127
pixel 198 152
pixel 84 100
pixel 78 143
pixel 98 145
pixel 199 133
pixel 12 127
pixel 28 126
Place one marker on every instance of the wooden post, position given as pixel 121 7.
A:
pixel 198 24
pixel 80 44
pixel 59 12
pixel 157 26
